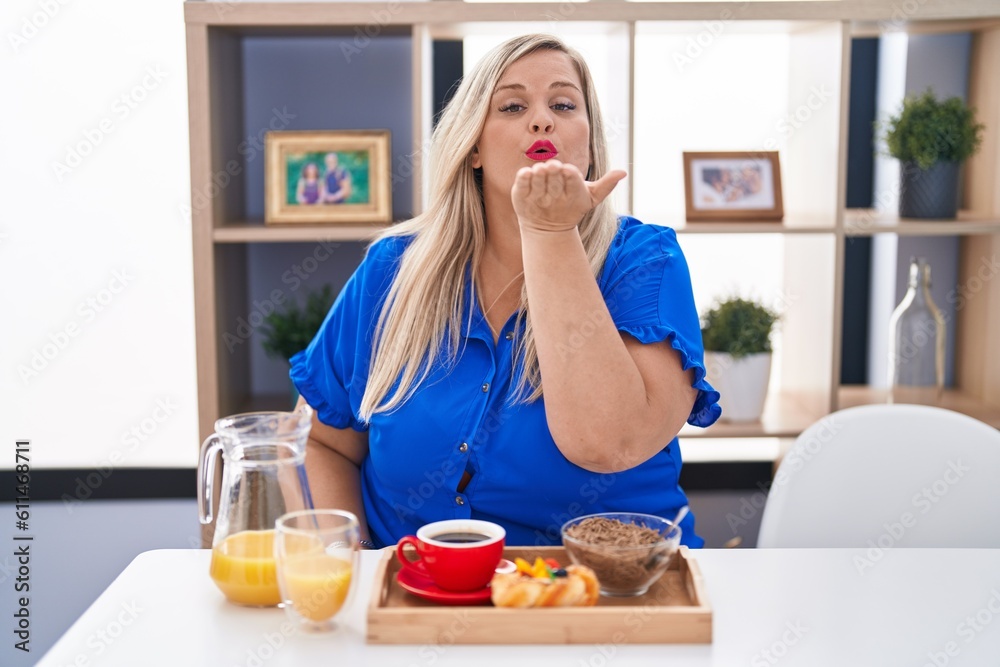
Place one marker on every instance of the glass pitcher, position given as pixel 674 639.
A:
pixel 263 477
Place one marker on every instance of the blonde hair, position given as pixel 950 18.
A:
pixel 426 299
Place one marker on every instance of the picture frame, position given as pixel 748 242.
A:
pixel 327 176
pixel 738 186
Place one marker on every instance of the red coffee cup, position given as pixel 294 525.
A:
pixel 458 555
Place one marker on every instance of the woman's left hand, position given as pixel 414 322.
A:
pixel 552 196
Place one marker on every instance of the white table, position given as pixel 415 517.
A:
pixel 771 607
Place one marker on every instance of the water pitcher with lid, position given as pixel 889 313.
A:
pixel 263 478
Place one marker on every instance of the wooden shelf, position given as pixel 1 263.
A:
pixel 258 232
pixel 748 228
pixel 879 28
pixel 867 222
pixel 786 415
pixel 359 13
pixel 854 395
pixel 804 224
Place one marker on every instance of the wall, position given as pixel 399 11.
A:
pixel 95 247
pixel 308 80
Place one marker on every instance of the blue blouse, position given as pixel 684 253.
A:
pixel 460 419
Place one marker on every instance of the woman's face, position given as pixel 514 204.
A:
pixel 538 99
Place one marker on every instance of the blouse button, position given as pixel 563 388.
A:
pixel 510 335
pixel 486 387
pixel 459 500
pixel 464 447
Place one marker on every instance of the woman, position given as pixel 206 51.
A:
pixel 309 189
pixel 517 353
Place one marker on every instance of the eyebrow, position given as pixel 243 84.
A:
pixel 553 85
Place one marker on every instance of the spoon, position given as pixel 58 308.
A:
pixel 657 558
pixel 681 513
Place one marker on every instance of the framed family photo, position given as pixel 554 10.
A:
pixel 327 177
pixel 732 186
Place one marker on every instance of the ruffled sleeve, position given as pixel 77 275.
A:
pixel 332 372
pixel 647 287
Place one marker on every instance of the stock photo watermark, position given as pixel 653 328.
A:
pixel 32 24
pixel 594 320
pixel 363 36
pixel 406 165
pixel 697 44
pixel 121 108
pixel 271 644
pixel 779 648
pixel 883 200
pixel 566 10
pixel 294 277
pixel 418 496
pixel 431 653
pixel 795 460
pixel 588 494
pixel 815 99
pixel 636 620
pixel 985 272
pixel 959 296
pixel 104 638
pixel 923 501
pixel 442 481
pixel 318 602
pixel 967 630
pixel 248 149
pixel 131 439
pixel 902 12
pixel 438 479
pixel 22 545
pixel 88 310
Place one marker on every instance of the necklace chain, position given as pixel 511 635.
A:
pixel 496 300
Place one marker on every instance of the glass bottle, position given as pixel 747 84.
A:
pixel 916 348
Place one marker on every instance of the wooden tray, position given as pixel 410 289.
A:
pixel 674 610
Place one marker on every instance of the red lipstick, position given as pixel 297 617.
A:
pixel 541 150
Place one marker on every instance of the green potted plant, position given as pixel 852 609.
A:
pixel 290 330
pixel 737 338
pixel 931 138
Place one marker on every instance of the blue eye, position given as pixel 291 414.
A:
pixel 514 107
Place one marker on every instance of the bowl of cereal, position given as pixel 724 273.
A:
pixel 627 551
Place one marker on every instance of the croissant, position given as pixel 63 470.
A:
pixel 579 588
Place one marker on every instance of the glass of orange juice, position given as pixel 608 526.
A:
pixel 316 553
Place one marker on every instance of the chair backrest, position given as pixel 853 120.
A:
pixel 887 476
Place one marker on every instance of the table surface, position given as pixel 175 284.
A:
pixel 770 606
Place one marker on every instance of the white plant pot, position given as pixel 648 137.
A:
pixel 742 383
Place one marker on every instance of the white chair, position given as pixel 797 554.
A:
pixel 887 476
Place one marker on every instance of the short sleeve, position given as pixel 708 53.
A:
pixel 331 373
pixel 647 287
